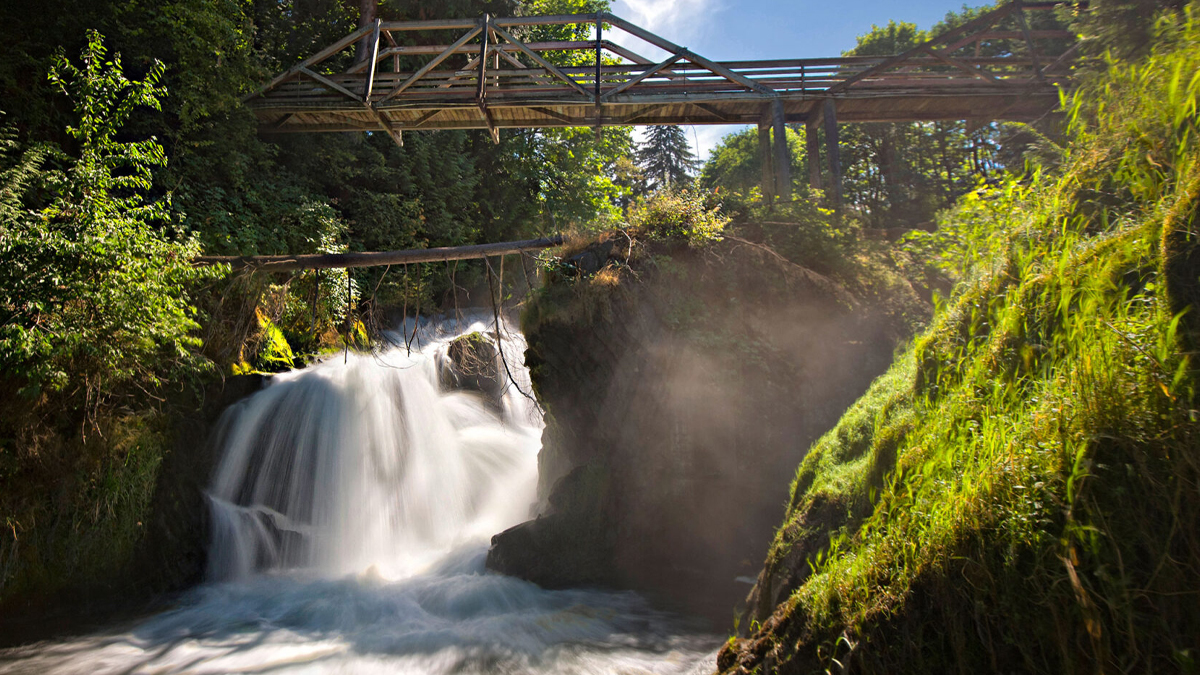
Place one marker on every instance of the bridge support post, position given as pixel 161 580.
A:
pixel 833 151
pixel 783 158
pixel 764 151
pixel 812 143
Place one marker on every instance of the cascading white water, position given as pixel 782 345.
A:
pixel 347 466
pixel 351 513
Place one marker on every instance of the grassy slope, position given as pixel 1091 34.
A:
pixel 1021 491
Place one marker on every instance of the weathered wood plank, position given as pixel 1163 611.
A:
pixel 542 62
pixel 689 55
pixel 316 261
pixel 812 143
pixel 833 150
pixel 467 37
pixel 764 152
pixel 634 80
pixel 783 157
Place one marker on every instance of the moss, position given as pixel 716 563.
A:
pixel 89 529
pixel 1021 491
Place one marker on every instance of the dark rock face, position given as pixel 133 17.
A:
pixel 694 391
pixel 171 555
pixel 572 546
pixel 174 553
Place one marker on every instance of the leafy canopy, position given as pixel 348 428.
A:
pixel 93 292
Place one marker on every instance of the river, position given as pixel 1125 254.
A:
pixel 352 509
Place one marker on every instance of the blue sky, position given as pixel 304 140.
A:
pixel 725 30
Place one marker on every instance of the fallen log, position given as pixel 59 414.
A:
pixel 316 261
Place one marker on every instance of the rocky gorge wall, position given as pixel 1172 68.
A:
pixel 123 522
pixel 681 389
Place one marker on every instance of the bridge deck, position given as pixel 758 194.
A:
pixel 489 78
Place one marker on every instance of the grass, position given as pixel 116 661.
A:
pixel 1021 492
pixel 87 530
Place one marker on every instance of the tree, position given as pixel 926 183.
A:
pixel 92 293
pixel 666 157
pixel 736 164
pixel 898 174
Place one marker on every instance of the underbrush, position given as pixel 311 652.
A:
pixel 1021 492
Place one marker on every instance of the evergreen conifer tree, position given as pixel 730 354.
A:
pixel 666 158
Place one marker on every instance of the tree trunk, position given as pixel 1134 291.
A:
pixel 367 11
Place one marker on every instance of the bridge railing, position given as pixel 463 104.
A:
pixel 806 77
pixel 500 63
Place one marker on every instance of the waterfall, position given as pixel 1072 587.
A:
pixel 367 464
pixel 352 508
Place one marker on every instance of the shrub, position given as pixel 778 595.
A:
pixel 685 216
pixel 92 292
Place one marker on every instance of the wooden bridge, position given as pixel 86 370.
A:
pixel 495 75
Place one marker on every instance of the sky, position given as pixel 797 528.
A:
pixel 729 30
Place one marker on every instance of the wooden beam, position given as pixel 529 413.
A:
pixel 423 119
pixel 481 89
pixel 599 74
pixel 547 20
pixel 644 74
pixel 326 82
pixel 318 261
pixel 764 151
pixel 312 60
pixel 558 116
pixel 1033 53
pixel 473 64
pixel 966 68
pixel 543 62
pixel 783 156
pixel 833 151
pixel 812 143
pixel 396 134
pixel 443 24
pixel 491 123
pixel 374 63
pixel 711 110
pixel 433 63
pixel 631 118
pixel 502 53
pixel 669 46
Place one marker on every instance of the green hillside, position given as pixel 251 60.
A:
pixel 1021 491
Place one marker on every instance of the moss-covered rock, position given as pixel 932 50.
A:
pixel 691 379
pixel 108 516
pixel 473 364
pixel 1021 491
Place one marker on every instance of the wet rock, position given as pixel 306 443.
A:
pixel 555 551
pixel 473 364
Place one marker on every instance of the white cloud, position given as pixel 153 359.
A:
pixel 675 20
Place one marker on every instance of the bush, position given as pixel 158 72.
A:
pixel 685 216
pixel 92 292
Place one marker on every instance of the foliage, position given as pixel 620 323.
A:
pixel 685 216
pixel 93 293
pixel 903 174
pixel 736 164
pixel 804 232
pixel 1020 491
pixel 90 529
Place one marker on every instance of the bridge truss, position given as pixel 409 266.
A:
pixel 497 75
